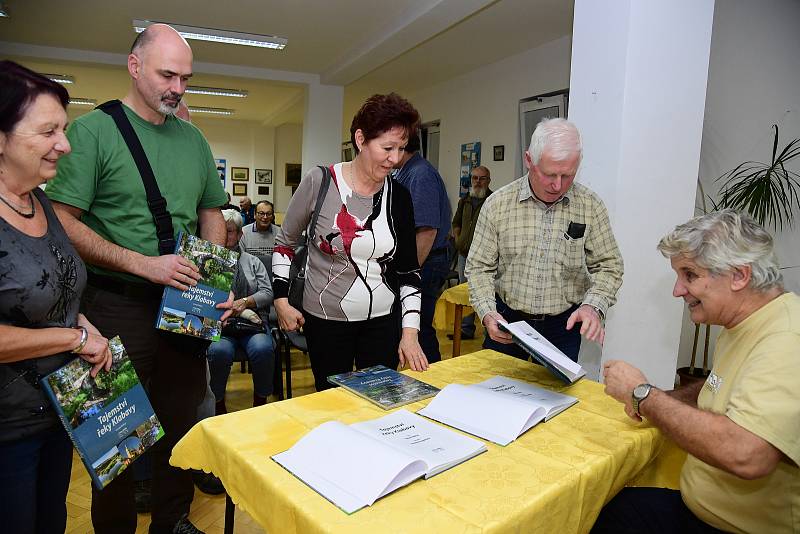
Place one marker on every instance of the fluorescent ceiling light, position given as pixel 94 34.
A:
pixel 3 10
pixel 60 78
pixel 83 101
pixel 215 91
pixel 219 36
pixel 214 111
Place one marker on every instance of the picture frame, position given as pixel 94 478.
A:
pixel 240 190
pixel 293 174
pixel 263 190
pixel 499 152
pixel 240 174
pixel 263 176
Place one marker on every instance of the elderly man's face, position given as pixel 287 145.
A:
pixel 480 183
pixel 711 298
pixel 550 179
pixel 232 235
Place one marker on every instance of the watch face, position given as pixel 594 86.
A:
pixel 641 391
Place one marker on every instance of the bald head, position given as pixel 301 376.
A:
pixel 160 65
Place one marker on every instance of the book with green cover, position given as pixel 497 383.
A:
pixel 383 386
pixel 108 418
pixel 193 312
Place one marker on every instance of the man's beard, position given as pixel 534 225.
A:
pixel 169 109
pixel 478 192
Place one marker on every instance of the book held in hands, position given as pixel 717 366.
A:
pixel 499 409
pixel 543 351
pixel 108 418
pixel 193 312
pixel 353 466
pixel 383 386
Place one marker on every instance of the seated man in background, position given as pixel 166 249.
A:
pixel 252 291
pixel 248 210
pixel 741 426
pixel 258 238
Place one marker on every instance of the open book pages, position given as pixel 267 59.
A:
pixel 543 351
pixel 499 409
pixel 353 466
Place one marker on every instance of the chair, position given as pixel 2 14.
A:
pixel 287 341
pixel 452 278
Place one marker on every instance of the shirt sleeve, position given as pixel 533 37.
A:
pixel 263 294
pixel 603 261
pixel 405 261
pixel 75 183
pixel 765 399
pixel 295 222
pixel 456 223
pixel 481 266
pixel 424 197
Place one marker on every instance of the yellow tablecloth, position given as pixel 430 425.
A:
pixel 554 478
pixel 444 315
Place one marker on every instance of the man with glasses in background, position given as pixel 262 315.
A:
pixel 464 227
pixel 258 238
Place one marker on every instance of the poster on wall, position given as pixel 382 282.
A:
pixel 222 166
pixel 470 158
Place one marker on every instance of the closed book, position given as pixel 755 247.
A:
pixel 383 386
pixel 544 352
pixel 194 312
pixel 108 418
pixel 499 409
pixel 353 466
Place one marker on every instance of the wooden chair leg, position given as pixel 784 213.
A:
pixel 287 355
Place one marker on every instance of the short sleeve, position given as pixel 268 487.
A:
pixel 76 180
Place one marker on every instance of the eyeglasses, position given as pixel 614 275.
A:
pixel 481 178
pixel 264 213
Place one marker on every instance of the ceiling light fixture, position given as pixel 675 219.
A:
pixel 219 36
pixel 213 111
pixel 3 10
pixel 83 101
pixel 60 78
pixel 215 91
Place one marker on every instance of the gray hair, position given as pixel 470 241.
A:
pixel 559 136
pixel 723 240
pixel 233 216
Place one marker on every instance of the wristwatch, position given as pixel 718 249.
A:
pixel 639 394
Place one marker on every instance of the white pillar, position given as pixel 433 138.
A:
pixel 637 93
pixel 322 125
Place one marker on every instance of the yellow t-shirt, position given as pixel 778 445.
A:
pixel 756 383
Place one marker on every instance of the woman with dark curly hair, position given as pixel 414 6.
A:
pixel 362 266
pixel 41 281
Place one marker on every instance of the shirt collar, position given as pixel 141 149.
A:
pixel 525 193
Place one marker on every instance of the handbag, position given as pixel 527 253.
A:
pixel 239 326
pixel 297 269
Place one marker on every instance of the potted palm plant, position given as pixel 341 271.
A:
pixel 770 193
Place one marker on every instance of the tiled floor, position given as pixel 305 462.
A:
pixel 208 512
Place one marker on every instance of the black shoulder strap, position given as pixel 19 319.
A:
pixel 155 201
pixel 323 190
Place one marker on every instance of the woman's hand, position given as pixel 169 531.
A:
pixel 289 317
pixel 238 306
pixel 96 350
pixel 410 352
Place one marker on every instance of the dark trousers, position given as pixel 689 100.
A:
pixel 434 272
pixel 34 478
pixel 651 510
pixel 173 373
pixel 333 346
pixel 552 327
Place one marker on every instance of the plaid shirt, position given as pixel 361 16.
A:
pixel 522 252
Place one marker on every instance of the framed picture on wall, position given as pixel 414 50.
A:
pixel 263 190
pixel 240 190
pixel 263 176
pixel 499 152
pixel 293 174
pixel 240 174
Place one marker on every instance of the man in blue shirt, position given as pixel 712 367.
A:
pixel 432 216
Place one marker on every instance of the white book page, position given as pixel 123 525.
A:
pixel 553 402
pixel 483 413
pixel 347 467
pixel 531 337
pixel 437 446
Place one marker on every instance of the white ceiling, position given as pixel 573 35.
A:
pixel 401 44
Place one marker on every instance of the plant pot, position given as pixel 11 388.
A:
pixel 686 377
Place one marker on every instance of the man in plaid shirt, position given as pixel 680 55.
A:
pixel 543 250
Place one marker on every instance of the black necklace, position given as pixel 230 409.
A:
pixel 21 214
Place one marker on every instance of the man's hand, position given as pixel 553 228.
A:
pixel 410 352
pixel 171 270
pixel 228 306
pixel 620 379
pixel 490 322
pixel 289 317
pixel 591 324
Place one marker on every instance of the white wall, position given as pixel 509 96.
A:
pixel 482 105
pixel 753 82
pixel 242 144
pixel 288 149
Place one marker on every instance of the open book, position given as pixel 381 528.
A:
pixel 499 409
pixel 543 351
pixel 353 466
